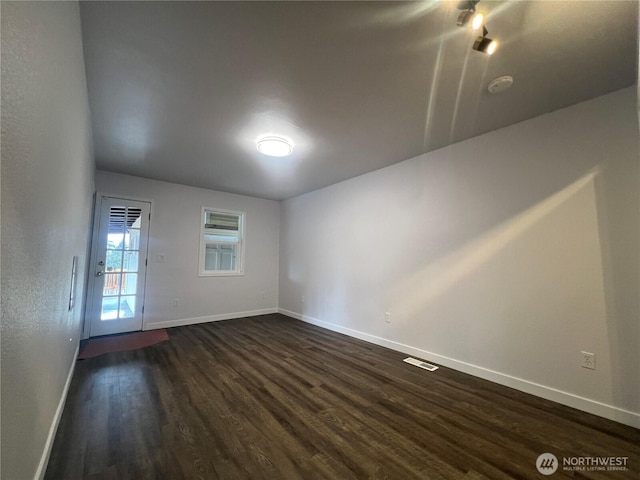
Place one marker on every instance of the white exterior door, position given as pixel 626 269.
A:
pixel 119 264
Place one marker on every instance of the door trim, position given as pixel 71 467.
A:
pixel 97 204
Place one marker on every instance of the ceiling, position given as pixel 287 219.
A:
pixel 180 91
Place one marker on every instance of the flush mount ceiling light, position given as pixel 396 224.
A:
pixel 469 16
pixel 485 44
pixel 274 146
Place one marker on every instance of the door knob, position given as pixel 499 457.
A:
pixel 99 274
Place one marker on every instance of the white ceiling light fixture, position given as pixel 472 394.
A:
pixel 274 146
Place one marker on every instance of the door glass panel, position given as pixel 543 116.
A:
pixel 129 284
pixel 132 231
pixel 130 261
pixel 109 308
pixel 114 240
pixel 132 239
pixel 127 306
pixel 111 284
pixel 114 261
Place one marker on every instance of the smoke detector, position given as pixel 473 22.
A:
pixel 500 84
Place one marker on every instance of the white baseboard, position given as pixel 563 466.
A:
pixel 581 403
pixel 209 318
pixel 44 459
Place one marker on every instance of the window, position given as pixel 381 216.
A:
pixel 221 242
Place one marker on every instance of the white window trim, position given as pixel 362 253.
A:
pixel 241 245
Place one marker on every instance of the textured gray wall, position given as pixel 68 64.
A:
pixel 47 187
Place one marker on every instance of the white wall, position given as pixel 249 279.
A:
pixel 175 232
pixel 504 256
pixel 47 187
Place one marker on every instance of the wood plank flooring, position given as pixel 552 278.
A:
pixel 270 397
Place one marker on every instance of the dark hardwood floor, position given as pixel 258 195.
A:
pixel 270 397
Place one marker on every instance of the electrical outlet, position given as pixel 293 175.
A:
pixel 263 296
pixel 160 257
pixel 387 317
pixel 302 298
pixel 176 302
pixel 588 360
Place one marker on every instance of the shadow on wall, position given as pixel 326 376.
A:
pixel 524 298
pixel 441 276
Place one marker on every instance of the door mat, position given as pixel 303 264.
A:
pixel 121 342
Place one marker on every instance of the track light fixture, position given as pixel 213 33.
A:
pixel 469 15
pixel 485 44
